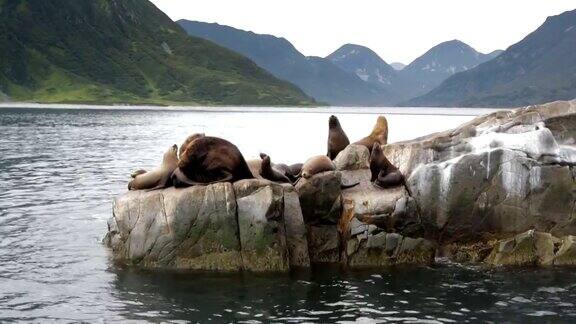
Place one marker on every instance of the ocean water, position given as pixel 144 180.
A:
pixel 60 169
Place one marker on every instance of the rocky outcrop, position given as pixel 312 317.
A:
pixel 499 191
pixel 498 175
pixel 244 226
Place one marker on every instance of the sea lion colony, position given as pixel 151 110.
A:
pixel 203 160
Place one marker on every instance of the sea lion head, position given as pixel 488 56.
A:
pixel 171 156
pixel 333 122
pixel 188 141
pixel 376 152
pixel 381 125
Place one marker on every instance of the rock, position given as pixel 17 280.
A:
pixel 385 249
pixel 193 228
pixel 261 224
pixel 368 245
pixel 503 174
pixel 529 248
pixel 566 255
pixel 253 225
pixel 296 235
pixel 324 243
pixel 320 198
pixel 353 157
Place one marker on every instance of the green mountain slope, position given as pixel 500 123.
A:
pixel 318 77
pixel 540 68
pixel 128 51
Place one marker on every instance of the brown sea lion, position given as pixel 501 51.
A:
pixel 295 170
pixel 271 172
pixel 384 173
pixel 379 134
pixel 209 160
pixel 264 169
pixel 188 141
pixel 317 164
pixel 337 139
pixel 158 178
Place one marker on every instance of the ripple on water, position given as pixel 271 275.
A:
pixel 60 169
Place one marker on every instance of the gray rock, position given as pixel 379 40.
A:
pixel 296 235
pixel 529 248
pixel 503 173
pixel 192 228
pixel 320 198
pixel 261 223
pixel 566 255
pixel 223 227
pixel 353 157
pixel 324 243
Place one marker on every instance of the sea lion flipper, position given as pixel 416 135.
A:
pixel 137 173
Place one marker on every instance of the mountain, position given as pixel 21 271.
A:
pixel 371 68
pixel 317 77
pixel 540 68
pixel 128 51
pixel 398 66
pixel 494 54
pixel 364 63
pixel 441 62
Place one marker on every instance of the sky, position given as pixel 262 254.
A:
pixel 399 31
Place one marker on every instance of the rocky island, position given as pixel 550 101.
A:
pixel 496 191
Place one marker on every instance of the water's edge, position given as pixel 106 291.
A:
pixel 258 109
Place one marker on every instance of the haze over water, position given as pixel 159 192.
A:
pixel 61 168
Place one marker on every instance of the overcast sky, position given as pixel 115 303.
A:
pixel 398 30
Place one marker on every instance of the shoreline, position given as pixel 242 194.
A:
pixel 261 109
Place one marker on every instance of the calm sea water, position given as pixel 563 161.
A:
pixel 60 169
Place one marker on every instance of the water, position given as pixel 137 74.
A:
pixel 60 169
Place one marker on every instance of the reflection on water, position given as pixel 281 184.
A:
pixel 59 170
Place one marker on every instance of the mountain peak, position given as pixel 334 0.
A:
pixel 540 68
pixel 441 62
pixel 348 50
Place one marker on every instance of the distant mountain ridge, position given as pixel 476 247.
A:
pixel 371 68
pixel 540 68
pixel 441 62
pixel 317 77
pixel 352 75
pixel 107 51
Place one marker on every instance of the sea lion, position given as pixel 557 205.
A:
pixel 264 169
pixel 379 134
pixel 271 172
pixel 187 142
pixel 295 170
pixel 384 173
pixel 317 164
pixel 337 139
pixel 209 160
pixel 158 178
